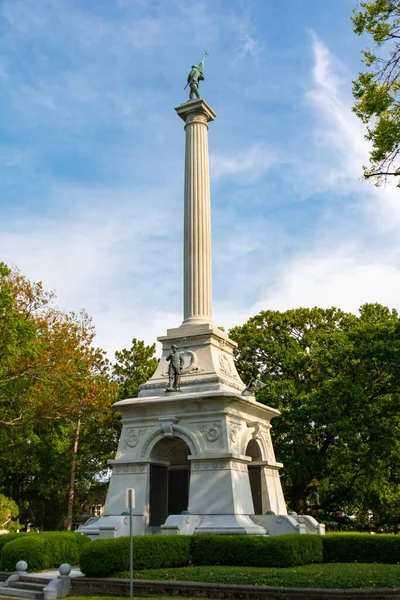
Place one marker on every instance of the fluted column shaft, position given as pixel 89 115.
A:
pixel 197 215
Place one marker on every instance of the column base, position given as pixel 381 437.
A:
pixel 112 526
pixel 229 525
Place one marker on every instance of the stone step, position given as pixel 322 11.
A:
pixel 34 579
pixel 29 585
pixel 21 593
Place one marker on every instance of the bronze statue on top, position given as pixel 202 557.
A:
pixel 195 76
pixel 175 359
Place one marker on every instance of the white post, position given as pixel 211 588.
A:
pixel 197 214
pixel 131 502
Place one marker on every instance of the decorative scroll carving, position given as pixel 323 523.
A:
pixel 186 342
pixel 212 432
pixel 268 446
pixel 167 425
pixel 256 435
pixel 196 118
pixel 262 434
pixel 132 436
pixel 226 367
pixel 233 432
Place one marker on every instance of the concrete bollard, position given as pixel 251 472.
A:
pixel 60 586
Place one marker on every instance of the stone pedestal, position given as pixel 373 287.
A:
pixel 192 451
pixel 207 361
pixel 199 458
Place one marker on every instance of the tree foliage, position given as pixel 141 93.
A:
pixel 335 378
pixel 377 89
pixel 55 389
pixel 8 514
pixel 133 367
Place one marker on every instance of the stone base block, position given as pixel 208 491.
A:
pixel 229 524
pixel 181 524
pixel 278 524
pixel 109 526
pixel 312 526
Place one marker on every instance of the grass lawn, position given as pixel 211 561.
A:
pixel 119 598
pixel 328 575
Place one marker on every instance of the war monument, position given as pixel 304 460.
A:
pixel 195 445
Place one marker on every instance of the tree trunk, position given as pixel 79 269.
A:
pixel 71 493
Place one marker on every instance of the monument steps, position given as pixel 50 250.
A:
pixel 26 587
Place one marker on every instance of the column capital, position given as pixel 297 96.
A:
pixel 198 106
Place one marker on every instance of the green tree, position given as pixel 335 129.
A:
pixel 51 374
pixel 134 367
pixel 8 514
pixel 335 378
pixel 377 89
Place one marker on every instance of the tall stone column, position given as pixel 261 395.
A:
pixel 197 214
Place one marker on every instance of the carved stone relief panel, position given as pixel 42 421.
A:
pixel 196 118
pixel 268 447
pixel 226 366
pixel 233 429
pixel 132 436
pixel 213 433
pixel 167 425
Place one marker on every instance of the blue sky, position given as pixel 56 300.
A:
pixel 92 154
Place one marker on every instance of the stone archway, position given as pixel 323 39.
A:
pixel 169 479
pixel 254 451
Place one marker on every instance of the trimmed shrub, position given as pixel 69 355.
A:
pixel 105 557
pixel 361 548
pixel 9 537
pixel 43 550
pixel 32 549
pixel 242 550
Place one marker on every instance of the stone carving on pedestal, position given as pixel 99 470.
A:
pixel 233 432
pixel 225 367
pixel 132 436
pixel 167 425
pixel 212 433
pixel 269 448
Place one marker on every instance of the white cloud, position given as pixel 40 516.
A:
pixel 344 278
pixel 255 162
pixel 343 267
pixel 116 253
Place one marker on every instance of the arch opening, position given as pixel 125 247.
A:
pixel 255 470
pixel 169 479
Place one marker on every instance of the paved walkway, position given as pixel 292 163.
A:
pixel 51 573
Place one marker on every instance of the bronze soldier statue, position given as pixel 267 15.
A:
pixel 174 369
pixel 195 76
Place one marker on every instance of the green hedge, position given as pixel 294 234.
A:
pixel 361 548
pixel 42 550
pixel 242 550
pixel 105 557
pixel 9 537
